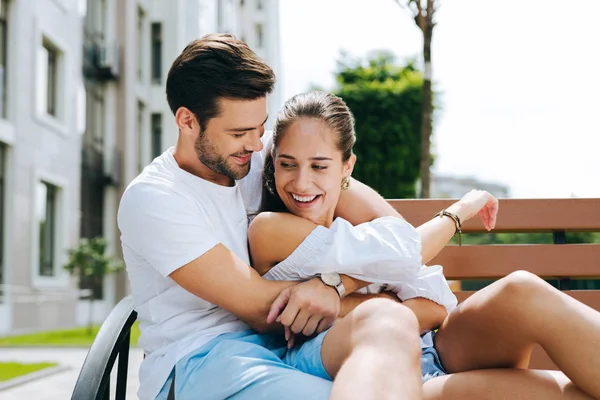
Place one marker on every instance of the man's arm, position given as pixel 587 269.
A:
pixel 361 204
pixel 221 278
pixel 177 239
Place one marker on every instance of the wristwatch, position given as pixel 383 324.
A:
pixel 334 280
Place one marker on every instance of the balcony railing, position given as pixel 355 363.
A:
pixel 101 58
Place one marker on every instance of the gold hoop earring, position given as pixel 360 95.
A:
pixel 346 183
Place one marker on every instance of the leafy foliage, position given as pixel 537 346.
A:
pixel 386 102
pixel 90 263
pixel 89 259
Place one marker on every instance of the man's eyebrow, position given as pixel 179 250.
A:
pixel 246 129
pixel 312 158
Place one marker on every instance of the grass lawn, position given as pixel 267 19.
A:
pixel 9 370
pixel 66 337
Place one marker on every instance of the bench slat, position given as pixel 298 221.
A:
pixel 516 215
pixel 495 261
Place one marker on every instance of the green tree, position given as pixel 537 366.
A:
pixel 89 262
pixel 386 102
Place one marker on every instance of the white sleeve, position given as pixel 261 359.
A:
pixel 430 283
pixel 164 228
pixel 386 250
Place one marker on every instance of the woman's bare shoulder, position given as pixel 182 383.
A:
pixel 273 236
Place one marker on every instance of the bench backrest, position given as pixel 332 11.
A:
pixel 560 261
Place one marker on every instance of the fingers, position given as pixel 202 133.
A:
pixel 289 314
pixel 280 302
pixel 485 217
pixel 299 322
pixel 325 324
pixel 491 212
pixel 311 325
pixel 494 212
pixel 289 337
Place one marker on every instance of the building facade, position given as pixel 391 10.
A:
pixel 81 118
pixel 453 187
pixel 40 141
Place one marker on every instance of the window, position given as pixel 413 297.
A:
pixel 94 115
pixel 140 44
pixel 156 52
pixel 49 58
pixel 259 35
pixel 2 180
pixel 46 214
pixel 156 126
pixel 3 53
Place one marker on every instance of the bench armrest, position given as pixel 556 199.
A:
pixel 112 340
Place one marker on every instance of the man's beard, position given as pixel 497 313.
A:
pixel 208 154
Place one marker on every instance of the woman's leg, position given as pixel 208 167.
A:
pixel 374 353
pixel 498 326
pixel 500 384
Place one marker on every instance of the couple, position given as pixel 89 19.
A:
pixel 213 328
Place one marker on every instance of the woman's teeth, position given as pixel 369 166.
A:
pixel 304 199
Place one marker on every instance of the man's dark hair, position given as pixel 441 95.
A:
pixel 212 67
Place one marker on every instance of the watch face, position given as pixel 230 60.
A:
pixel 331 278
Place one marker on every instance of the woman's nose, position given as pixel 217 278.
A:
pixel 302 181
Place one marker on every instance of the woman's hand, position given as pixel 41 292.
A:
pixel 477 202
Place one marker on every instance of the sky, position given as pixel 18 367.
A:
pixel 518 82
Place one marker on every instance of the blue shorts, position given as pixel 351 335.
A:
pixel 248 365
pixel 431 366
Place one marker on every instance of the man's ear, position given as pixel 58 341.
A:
pixel 186 121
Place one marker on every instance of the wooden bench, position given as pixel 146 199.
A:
pixel 559 261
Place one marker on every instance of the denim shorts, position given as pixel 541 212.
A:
pixel 431 366
pixel 248 365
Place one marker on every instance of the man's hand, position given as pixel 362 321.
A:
pixel 306 308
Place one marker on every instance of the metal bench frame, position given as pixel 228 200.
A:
pixel 112 340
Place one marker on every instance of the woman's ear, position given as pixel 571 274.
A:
pixel 349 165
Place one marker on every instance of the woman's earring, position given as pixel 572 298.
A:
pixel 346 183
pixel 270 187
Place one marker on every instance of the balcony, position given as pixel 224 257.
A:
pixel 101 58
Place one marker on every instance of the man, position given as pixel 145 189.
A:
pixel 184 223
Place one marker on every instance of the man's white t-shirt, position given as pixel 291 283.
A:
pixel 167 218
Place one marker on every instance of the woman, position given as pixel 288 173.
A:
pixel 486 342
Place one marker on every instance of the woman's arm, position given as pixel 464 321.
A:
pixel 437 232
pixel 360 203
pixel 272 237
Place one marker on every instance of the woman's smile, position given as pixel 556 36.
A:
pixel 304 200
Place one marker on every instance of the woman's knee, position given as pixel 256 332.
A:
pixel 522 285
pixel 385 321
